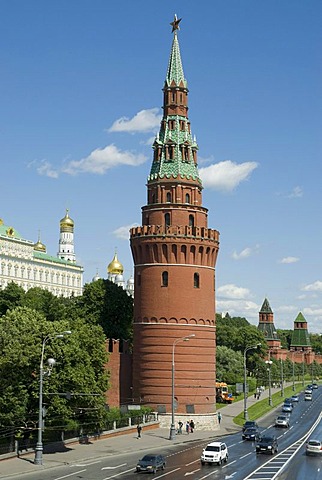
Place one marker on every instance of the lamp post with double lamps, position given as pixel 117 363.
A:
pixel 51 362
pixel 269 364
pixel 252 347
pixel 173 426
pixel 293 373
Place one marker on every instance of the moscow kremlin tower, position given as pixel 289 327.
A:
pixel 174 254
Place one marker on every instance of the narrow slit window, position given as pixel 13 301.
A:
pixel 165 279
pixel 196 280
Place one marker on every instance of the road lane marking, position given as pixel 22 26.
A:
pixel 116 466
pixel 71 474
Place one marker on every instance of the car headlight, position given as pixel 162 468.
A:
pixel 269 446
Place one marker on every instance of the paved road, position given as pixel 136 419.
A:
pixel 155 438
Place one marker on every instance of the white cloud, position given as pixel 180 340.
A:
pixel 289 260
pixel 247 252
pixel 226 175
pixel 124 232
pixel 233 292
pixel 297 192
pixel 143 121
pixel 44 168
pixel 313 287
pixel 102 159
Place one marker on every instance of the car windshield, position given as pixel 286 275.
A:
pixel 149 458
pixel 281 418
pixel 211 448
pixel 314 443
pixel 267 439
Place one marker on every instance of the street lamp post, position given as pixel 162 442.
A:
pixel 269 363
pixel 245 378
pixel 303 367
pixel 282 379
pixel 293 373
pixel 173 426
pixel 51 362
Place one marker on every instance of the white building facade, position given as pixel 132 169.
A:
pixel 28 265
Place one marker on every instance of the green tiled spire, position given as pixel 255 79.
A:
pixel 175 149
pixel 175 71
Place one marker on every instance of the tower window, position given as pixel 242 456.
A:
pixel 165 279
pixel 196 280
pixel 187 198
pixel 167 219
pixel 191 221
pixel 168 197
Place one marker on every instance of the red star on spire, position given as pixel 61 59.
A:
pixel 175 23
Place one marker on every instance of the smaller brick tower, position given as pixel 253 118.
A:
pixel 174 255
pixel 267 327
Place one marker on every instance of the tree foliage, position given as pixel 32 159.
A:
pixel 79 368
pixel 108 305
pixel 229 365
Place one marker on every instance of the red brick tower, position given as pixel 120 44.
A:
pixel 174 255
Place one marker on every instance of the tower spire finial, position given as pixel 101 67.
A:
pixel 175 23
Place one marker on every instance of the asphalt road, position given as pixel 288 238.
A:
pixel 183 460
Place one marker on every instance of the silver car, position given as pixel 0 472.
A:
pixel 313 447
pixel 282 421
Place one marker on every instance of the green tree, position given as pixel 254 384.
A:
pixel 229 365
pixel 10 297
pixel 79 369
pixel 108 305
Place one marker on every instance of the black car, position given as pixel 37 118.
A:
pixel 151 463
pixel 251 433
pixel 249 424
pixel 267 444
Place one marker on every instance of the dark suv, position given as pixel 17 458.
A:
pixel 151 463
pixel 267 444
pixel 249 424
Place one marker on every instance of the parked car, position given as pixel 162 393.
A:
pixel 315 386
pixel 251 433
pixel 214 452
pixel 267 444
pixel 308 390
pixel 282 421
pixel 151 463
pixel 313 447
pixel 295 398
pixel 308 397
pixel 250 423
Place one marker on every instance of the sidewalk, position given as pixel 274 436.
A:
pixel 109 447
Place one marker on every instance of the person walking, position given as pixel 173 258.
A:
pixel 139 429
pixel 188 427
pixel 192 426
pixel 180 427
pixel 219 417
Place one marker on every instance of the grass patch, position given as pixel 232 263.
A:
pixel 261 407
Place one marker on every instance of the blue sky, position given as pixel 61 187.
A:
pixel 81 95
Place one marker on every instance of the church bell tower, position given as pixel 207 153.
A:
pixel 174 255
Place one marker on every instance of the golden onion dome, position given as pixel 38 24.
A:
pixel 115 267
pixel 39 246
pixel 66 222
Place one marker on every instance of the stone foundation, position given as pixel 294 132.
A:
pixel 202 422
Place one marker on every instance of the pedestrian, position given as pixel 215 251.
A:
pixel 188 427
pixel 180 427
pixel 219 417
pixel 139 429
pixel 192 426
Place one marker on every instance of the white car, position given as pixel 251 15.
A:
pixel 214 452
pixel 308 397
pixel 313 447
